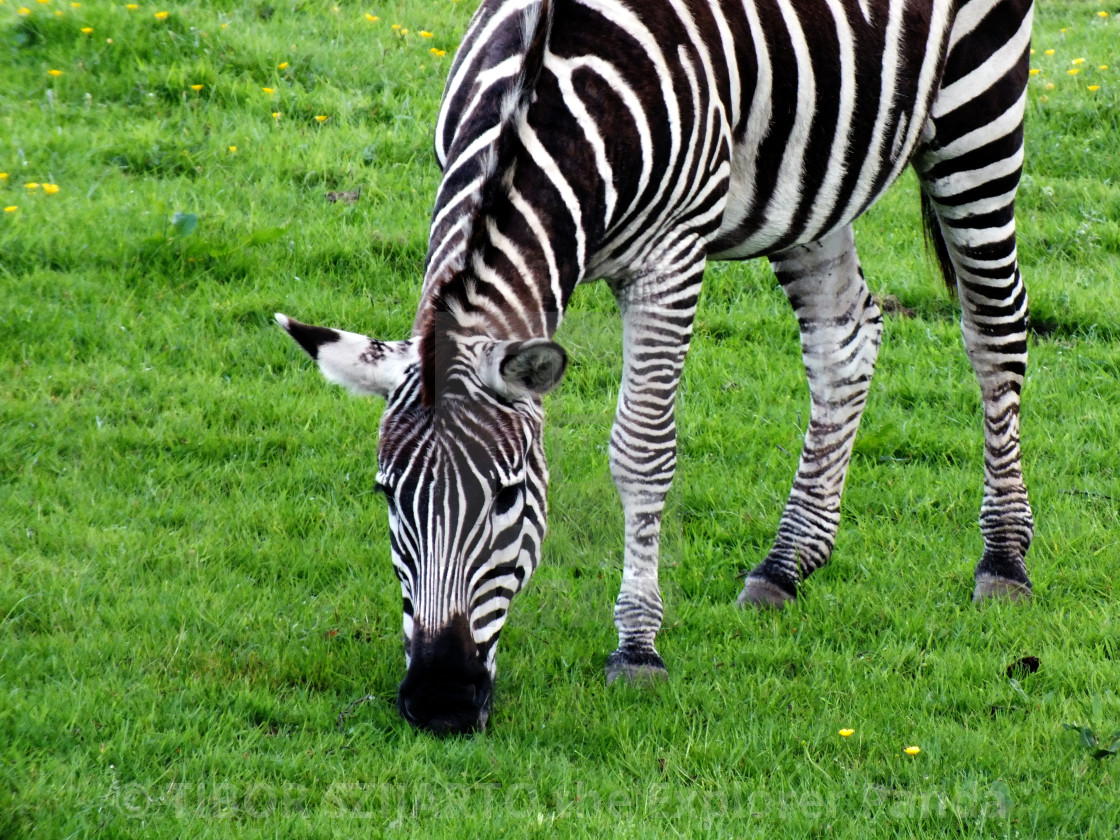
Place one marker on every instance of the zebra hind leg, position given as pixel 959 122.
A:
pixel 840 333
pixel 968 165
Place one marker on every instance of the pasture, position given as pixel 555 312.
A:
pixel 194 573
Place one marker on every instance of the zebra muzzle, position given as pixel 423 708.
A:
pixel 447 688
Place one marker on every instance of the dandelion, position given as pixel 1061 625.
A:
pixel 276 115
pixel 11 208
pixel 233 150
pixel 31 185
pixel 372 18
pixel 87 30
pixel 1049 52
pixel 404 31
pixel 269 90
pixel 197 88
pixel 425 33
pixel 50 189
pixel 1049 85
pixel 396 27
pixel 132 7
pixel 23 11
pixel 225 26
pixel 912 750
pixel 75 5
pixel 44 2
pixel 1103 67
pixel 1073 71
pixel 1102 14
pixel 162 15
pixel 1032 50
pixel 1035 71
pixel 846 733
pixel 1094 88
pixel 321 118
pixel 3 176
pixel 437 52
pixel 55 73
pixel 1078 61
pixel 283 65
pixel 58 13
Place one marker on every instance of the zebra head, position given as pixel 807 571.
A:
pixel 462 467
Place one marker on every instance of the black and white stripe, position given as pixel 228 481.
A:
pixel 633 141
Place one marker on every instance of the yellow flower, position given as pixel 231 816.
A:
pixel 23 10
pixel 1049 85
pixel 162 15
pixel 87 30
pixel 1094 88
pixel 197 88
pixel 283 65
pixel 268 90
pixel 58 12
pixel 225 26
pixel 1073 71
pixel 425 34
pixel 44 2
pixel 233 150
pixel 1049 52
pixel 404 31
pixel 1034 71
pixel 55 73
pixel 846 733
pixel 912 750
pixel 1103 67
pixel 50 189
pixel 1078 61
pixel 11 208
pixel 396 26
pixel 1044 98
pixel 75 5
pixel 31 185
pixel 1102 14
pixel 437 52
pixel 1032 50
pixel 3 176
pixel 372 18
pixel 132 7
pixel 321 118
pixel 276 115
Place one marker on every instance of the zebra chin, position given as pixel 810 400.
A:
pixel 447 688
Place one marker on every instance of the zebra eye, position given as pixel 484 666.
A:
pixel 506 498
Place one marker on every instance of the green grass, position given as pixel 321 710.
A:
pixel 194 578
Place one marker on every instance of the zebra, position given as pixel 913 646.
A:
pixel 632 142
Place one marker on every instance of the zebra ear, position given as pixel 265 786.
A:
pixel 521 368
pixel 365 366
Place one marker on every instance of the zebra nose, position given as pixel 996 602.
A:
pixel 447 687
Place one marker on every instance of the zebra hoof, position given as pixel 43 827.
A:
pixel 637 666
pixel 761 593
pixel 994 587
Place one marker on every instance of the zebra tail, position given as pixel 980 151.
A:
pixel 931 230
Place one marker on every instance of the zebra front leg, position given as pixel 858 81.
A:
pixel 657 315
pixel 840 331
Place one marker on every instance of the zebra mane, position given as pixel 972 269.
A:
pixel 452 297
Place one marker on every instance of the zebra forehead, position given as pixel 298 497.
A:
pixel 493 438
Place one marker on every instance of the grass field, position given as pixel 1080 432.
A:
pixel 194 574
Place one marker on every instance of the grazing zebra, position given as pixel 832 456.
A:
pixel 632 141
